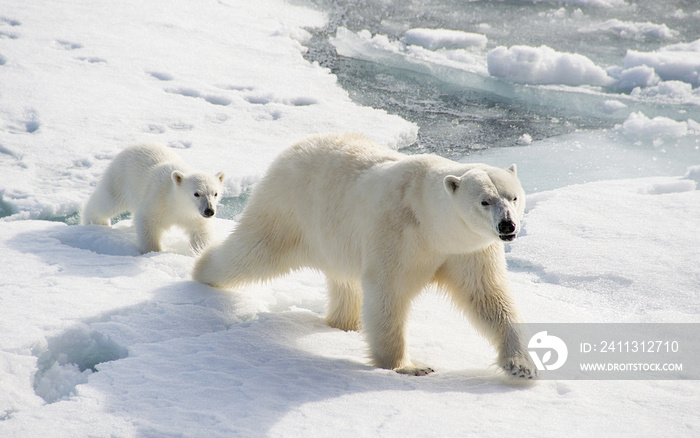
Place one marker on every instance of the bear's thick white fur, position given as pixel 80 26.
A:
pixel 160 190
pixel 382 225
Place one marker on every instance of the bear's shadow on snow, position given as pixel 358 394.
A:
pixel 79 250
pixel 251 370
pixel 254 372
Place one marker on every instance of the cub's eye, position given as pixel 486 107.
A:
pixel 515 199
pixel 216 195
pixel 485 203
pixel 196 195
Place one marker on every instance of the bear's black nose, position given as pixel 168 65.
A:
pixel 506 227
pixel 208 212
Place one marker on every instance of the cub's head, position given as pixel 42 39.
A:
pixel 201 190
pixel 490 200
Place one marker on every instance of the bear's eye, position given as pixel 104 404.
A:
pixel 196 195
pixel 485 203
pixel 515 199
pixel 216 195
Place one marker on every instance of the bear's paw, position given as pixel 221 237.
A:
pixel 415 369
pixel 520 368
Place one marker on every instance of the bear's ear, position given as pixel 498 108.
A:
pixel 221 176
pixel 177 177
pixel 451 183
pixel 513 169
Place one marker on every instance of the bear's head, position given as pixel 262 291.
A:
pixel 201 190
pixel 490 200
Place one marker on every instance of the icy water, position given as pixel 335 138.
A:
pixel 455 112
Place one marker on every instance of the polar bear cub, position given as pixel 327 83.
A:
pixel 382 226
pixel 160 190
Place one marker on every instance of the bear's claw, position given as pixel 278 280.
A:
pixel 518 370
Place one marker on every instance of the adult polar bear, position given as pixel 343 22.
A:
pixel 382 225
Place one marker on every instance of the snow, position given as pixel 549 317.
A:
pixel 582 3
pixel 641 76
pixel 525 139
pixel 667 76
pixel 610 106
pixel 379 48
pixel 639 125
pixel 98 340
pixel 433 39
pixel 600 255
pixel 191 77
pixel 632 31
pixel 679 62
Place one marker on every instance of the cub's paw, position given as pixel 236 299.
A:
pixel 415 369
pixel 519 368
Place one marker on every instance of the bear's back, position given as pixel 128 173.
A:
pixel 140 169
pixel 143 157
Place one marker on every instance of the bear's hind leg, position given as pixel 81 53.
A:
pixel 344 305
pixel 385 309
pixel 254 251
pixel 101 207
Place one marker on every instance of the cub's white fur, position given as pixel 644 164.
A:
pixel 160 190
pixel 382 225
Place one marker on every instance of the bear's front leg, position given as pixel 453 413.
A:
pixel 478 284
pixel 148 233
pixel 200 237
pixel 385 307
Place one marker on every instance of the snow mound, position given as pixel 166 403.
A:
pixel 641 126
pixel 632 31
pixel 411 53
pixel 679 62
pixel 543 65
pixel 611 106
pixel 639 76
pixel 693 174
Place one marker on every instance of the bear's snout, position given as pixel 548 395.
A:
pixel 506 227
pixel 506 230
pixel 208 212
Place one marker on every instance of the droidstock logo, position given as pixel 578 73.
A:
pixel 543 341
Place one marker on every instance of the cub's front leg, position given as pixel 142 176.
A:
pixel 148 232
pixel 200 237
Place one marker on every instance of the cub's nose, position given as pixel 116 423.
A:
pixel 208 212
pixel 506 227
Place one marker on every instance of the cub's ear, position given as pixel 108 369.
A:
pixel 451 183
pixel 221 176
pixel 177 177
pixel 513 169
